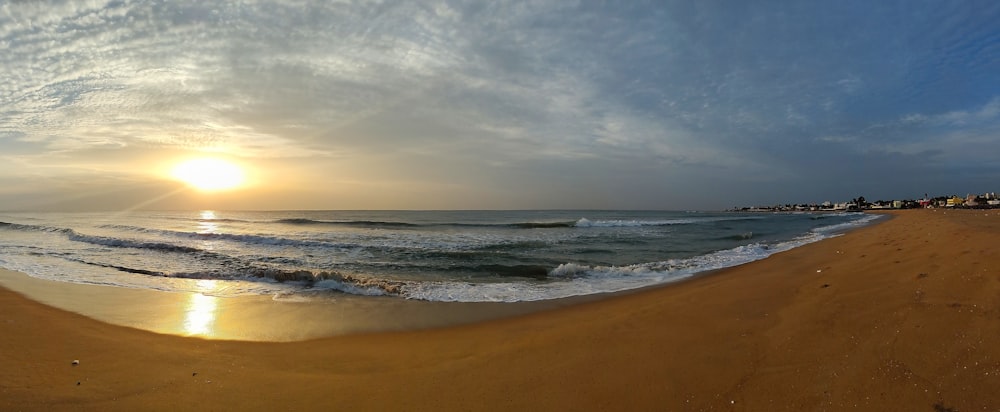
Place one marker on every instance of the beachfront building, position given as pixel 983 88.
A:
pixel 971 200
pixel 985 200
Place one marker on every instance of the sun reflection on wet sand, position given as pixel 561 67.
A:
pixel 199 316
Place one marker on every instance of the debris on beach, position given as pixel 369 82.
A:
pixel 75 362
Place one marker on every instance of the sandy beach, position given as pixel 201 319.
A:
pixel 900 316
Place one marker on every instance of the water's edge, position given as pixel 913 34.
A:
pixel 265 318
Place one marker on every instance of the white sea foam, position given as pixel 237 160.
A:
pixel 351 288
pixel 840 227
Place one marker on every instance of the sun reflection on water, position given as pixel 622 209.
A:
pixel 199 316
pixel 206 224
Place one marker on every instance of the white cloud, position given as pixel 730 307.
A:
pixel 989 112
pixel 837 139
pixel 850 84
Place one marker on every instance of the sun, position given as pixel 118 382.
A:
pixel 209 174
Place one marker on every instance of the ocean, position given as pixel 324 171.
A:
pixel 448 256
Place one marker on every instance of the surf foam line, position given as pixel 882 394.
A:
pixel 584 222
pixel 840 227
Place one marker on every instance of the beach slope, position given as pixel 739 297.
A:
pixel 903 315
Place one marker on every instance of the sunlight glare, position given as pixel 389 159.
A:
pixel 199 317
pixel 209 174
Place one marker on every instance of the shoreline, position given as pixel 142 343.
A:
pixel 899 315
pixel 265 318
pixel 262 318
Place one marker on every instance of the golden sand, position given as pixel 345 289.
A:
pixel 900 316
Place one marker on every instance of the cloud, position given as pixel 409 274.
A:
pixel 663 95
pixel 969 134
pixel 986 114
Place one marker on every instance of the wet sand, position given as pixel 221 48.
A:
pixel 261 318
pixel 900 316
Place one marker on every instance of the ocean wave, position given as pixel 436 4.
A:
pixel 328 280
pixel 263 240
pixel 127 243
pixel 129 228
pixel 115 242
pixel 503 271
pixel 356 223
pixel 739 236
pixel 116 267
pixel 205 219
pixel 584 222
pixel 223 220
pixel 542 225
pixel 101 240
pixel 32 228
pixel 505 246
pixel 393 224
pixel 244 238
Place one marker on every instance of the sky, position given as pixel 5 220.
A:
pixel 674 105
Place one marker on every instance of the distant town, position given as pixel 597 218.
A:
pixel 971 201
